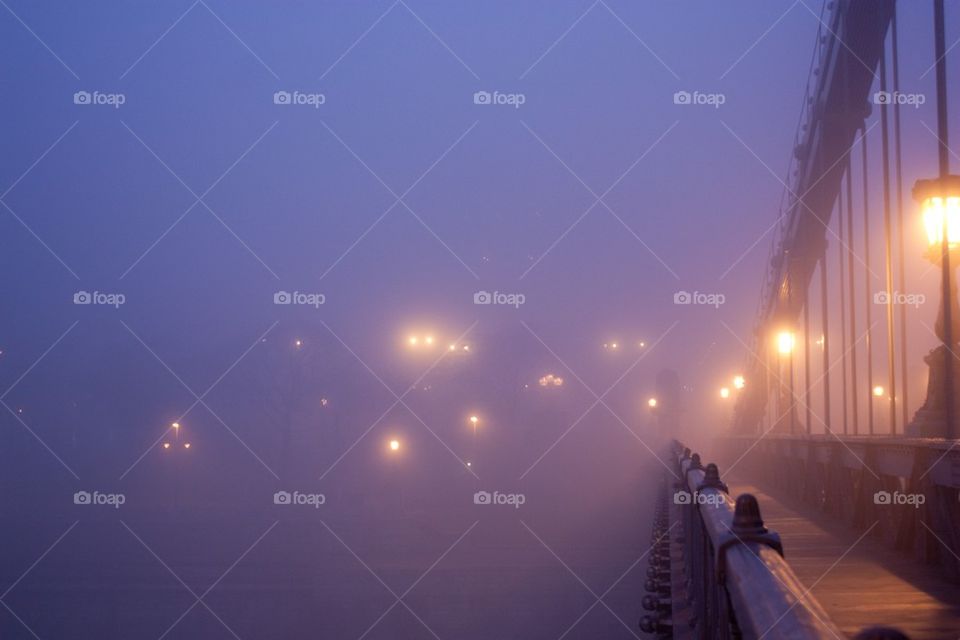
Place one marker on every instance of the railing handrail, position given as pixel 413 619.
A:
pixel 767 598
pixel 935 458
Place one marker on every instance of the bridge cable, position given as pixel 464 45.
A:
pixel 866 275
pixel 853 305
pixel 841 247
pixel 946 273
pixel 806 359
pixel 888 239
pixel 900 229
pixel 824 332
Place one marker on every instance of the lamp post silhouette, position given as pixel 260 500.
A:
pixel 939 200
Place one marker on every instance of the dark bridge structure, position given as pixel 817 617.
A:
pixel 837 512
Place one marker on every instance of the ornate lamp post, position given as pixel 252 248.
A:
pixel 786 342
pixel 939 200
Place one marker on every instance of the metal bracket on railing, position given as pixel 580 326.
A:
pixel 747 527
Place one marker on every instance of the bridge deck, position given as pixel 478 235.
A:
pixel 859 583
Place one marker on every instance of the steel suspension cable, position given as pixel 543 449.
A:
pixel 854 413
pixel 888 239
pixel 866 276
pixel 900 230
pixel 841 247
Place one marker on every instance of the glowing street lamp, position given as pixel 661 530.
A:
pixel 474 420
pixel 394 445
pixel 652 403
pixel 878 391
pixel 724 392
pixel 786 341
pixel 186 445
pixel 413 340
pixel 298 343
pixel 739 382
pixel 939 200
pixel 940 207
pixel 166 445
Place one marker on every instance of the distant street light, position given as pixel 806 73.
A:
pixel 724 392
pixel 652 403
pixel 551 380
pixel 186 445
pixel 298 343
pixel 878 391
pixel 166 445
pixel 394 445
pixel 739 382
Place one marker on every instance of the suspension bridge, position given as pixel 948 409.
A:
pixel 830 508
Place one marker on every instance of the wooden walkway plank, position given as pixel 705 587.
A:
pixel 857 578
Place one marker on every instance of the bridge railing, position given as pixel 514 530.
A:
pixel 736 583
pixel 905 490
